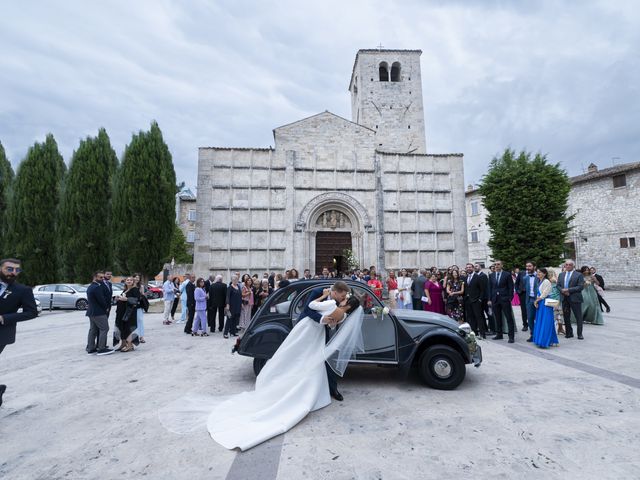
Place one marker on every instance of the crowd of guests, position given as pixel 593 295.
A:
pixel 553 300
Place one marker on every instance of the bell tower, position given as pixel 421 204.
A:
pixel 386 96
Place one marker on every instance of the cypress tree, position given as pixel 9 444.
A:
pixel 85 209
pixel 144 204
pixel 526 199
pixel 32 215
pixel 6 179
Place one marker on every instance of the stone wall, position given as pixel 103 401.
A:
pixel 603 215
pixel 479 250
pixel 186 225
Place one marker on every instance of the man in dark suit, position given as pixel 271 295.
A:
pixel 571 284
pixel 501 287
pixel 338 293
pixel 216 303
pixel 97 310
pixel 473 293
pixel 108 288
pixel 520 289
pixel 491 328
pixel 190 290
pixel 417 289
pixel 600 281
pixel 13 296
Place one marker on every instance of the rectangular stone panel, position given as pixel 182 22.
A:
pixel 277 239
pixel 445 241
pixel 427 241
pixel 278 198
pixel 221 176
pixel 391 221
pixel 408 201
pixel 259 219
pixel 428 259
pixel 441 164
pixel 444 221
pixel 240 219
pixel 259 239
pixel 442 201
pixel 389 163
pixel 303 179
pixel 391 200
pixel 239 260
pixel 241 198
pixel 219 239
pixel 242 158
pixel 222 157
pixel 277 220
pixel 392 241
pixel 410 259
pixel 441 182
pixel 260 178
pixel 220 218
pixel 260 198
pixel 325 180
pixel 346 161
pixel 445 259
pixel 424 164
pixel 424 181
pixel 391 259
pixel 406 181
pixel 425 200
pixel 389 181
pixel 364 162
pixel 347 179
pixel 277 260
pixel 409 241
pixel 406 164
pixel 408 221
pixel 221 197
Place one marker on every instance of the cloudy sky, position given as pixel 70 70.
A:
pixel 558 77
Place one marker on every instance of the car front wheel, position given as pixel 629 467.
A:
pixel 441 367
pixel 258 364
pixel 82 304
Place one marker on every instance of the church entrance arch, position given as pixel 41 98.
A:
pixel 329 224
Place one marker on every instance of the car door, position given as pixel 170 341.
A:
pixel 379 330
pixel 47 296
pixel 65 296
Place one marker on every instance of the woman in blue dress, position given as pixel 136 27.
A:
pixel 544 334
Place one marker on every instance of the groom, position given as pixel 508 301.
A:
pixel 338 293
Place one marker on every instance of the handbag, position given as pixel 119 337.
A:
pixel 551 302
pixel 425 299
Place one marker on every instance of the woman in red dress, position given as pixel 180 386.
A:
pixel 376 285
pixel 433 291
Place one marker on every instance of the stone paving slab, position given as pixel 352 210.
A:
pixel 568 412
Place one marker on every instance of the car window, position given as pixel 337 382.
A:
pixel 64 289
pixel 80 288
pixel 281 301
pixel 48 288
pixel 299 306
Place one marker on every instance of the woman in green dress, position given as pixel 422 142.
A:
pixel 590 306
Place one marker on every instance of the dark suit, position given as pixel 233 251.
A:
pixel 501 294
pixel 573 301
pixel 98 305
pixel 316 317
pixel 528 299
pixel 16 296
pixel 473 294
pixel 216 303
pixel 108 292
pixel 190 290
pixel 485 298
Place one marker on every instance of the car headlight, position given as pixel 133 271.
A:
pixel 464 329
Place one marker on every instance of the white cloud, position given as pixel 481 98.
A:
pixel 556 77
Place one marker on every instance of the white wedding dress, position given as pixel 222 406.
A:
pixel 291 384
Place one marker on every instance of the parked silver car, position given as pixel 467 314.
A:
pixel 62 295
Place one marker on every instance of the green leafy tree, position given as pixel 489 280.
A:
pixel 85 209
pixel 32 214
pixel 144 204
pixel 526 199
pixel 6 179
pixel 178 250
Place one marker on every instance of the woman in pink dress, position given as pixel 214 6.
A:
pixel 433 292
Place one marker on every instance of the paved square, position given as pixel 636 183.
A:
pixel 566 412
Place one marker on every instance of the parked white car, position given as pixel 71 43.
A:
pixel 62 295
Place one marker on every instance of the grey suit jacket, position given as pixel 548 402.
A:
pixel 576 284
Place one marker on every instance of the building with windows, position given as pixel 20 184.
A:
pixel 606 226
pixel 477 229
pixel 330 184
pixel 186 216
pixel 604 231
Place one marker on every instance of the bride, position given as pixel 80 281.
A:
pixel 293 382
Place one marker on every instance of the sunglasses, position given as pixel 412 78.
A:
pixel 13 270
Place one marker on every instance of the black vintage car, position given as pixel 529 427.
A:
pixel 433 343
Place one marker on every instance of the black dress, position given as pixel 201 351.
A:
pixel 127 317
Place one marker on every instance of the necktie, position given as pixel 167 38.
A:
pixel 498 279
pixel 566 280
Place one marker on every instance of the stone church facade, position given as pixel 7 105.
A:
pixel 332 184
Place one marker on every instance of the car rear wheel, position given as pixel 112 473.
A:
pixel 258 364
pixel 441 367
pixel 82 304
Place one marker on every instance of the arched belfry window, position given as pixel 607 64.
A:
pixel 395 72
pixel 384 72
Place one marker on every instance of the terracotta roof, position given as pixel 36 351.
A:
pixel 376 50
pixel 606 172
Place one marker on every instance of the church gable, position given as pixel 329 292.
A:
pixel 323 126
